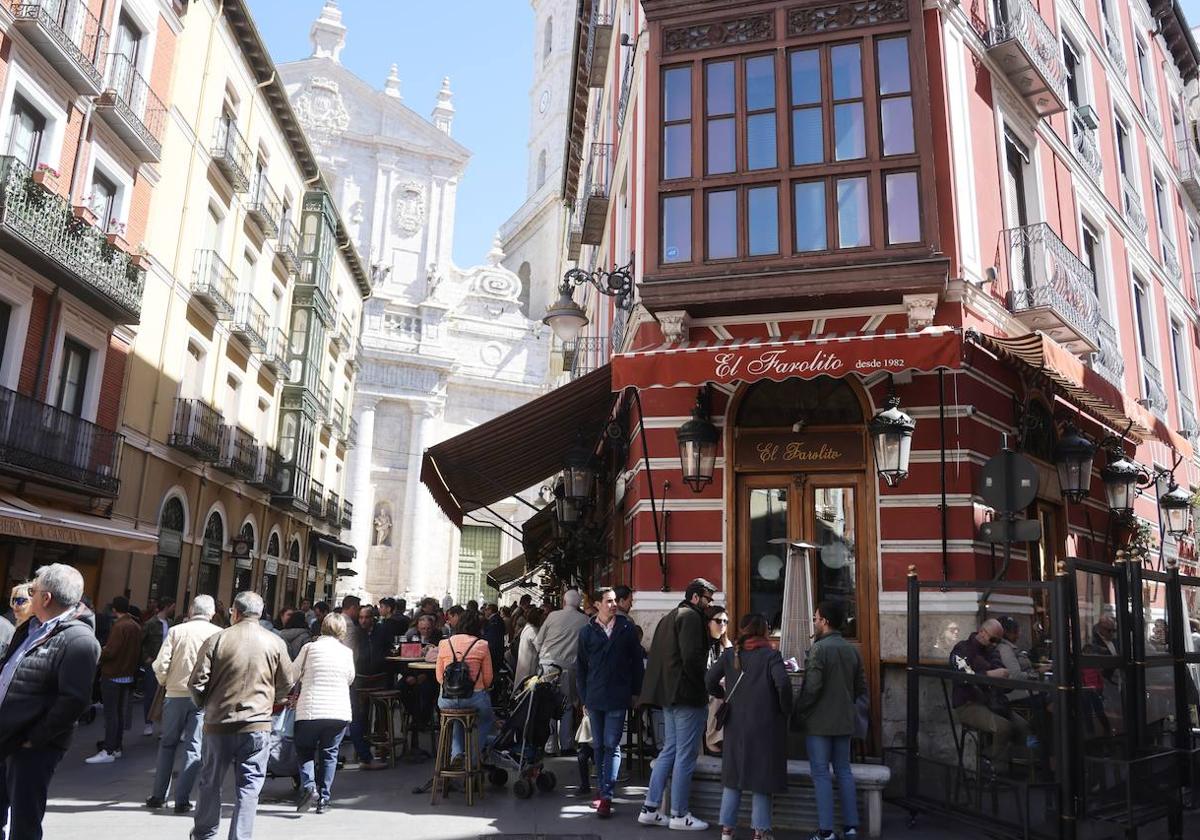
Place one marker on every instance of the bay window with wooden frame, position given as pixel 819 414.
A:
pixel 787 159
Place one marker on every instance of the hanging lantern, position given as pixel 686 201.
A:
pixel 1121 478
pixel 1176 507
pixel 697 439
pixel 565 508
pixel 566 317
pixel 1073 456
pixel 892 431
pixel 579 472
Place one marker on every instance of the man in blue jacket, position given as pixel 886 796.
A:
pixel 609 676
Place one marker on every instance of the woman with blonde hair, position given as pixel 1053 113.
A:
pixel 325 669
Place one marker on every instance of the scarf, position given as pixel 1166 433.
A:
pixel 755 642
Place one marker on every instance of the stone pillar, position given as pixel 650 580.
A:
pixel 415 557
pixel 361 489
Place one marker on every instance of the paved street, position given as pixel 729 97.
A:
pixel 106 800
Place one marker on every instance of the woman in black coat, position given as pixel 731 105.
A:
pixel 758 694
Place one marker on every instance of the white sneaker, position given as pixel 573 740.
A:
pixel 148 729
pixel 652 818
pixel 687 823
pixel 103 757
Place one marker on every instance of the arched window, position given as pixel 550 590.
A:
pixel 1039 433
pixel 173 516
pixel 273 546
pixel 164 569
pixel 541 168
pixel 214 531
pixel 823 401
pixel 294 553
pixel 209 576
pixel 548 39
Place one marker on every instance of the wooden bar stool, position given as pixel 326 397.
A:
pixel 381 716
pixel 471 771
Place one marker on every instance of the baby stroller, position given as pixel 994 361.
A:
pixel 519 746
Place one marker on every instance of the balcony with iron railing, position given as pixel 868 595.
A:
pixel 275 353
pixel 342 338
pixel 1112 44
pixel 1028 51
pixel 347 518
pixel 575 230
pixel 250 320
pixel 1154 395
pixel 338 416
pixel 42 229
pixel 239 453
pixel 287 246
pixel 43 444
pixel 231 154
pixel 586 354
pixel 1170 261
pixel 1108 361
pixel 1187 164
pixel 132 109
pixel 324 398
pixel 600 32
pixel 214 284
pixel 267 470
pixel 333 509
pixel 1131 203
pixel 196 429
pixel 597 189
pixel 1083 140
pixel 68 36
pixel 351 433
pixel 1050 288
pixel 1187 414
pixel 264 207
pixel 316 499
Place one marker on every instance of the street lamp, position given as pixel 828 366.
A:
pixel 1176 506
pixel 566 318
pixel 697 439
pixel 579 472
pixel 1122 479
pixel 1073 456
pixel 891 431
pixel 565 508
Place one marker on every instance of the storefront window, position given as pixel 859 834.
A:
pixel 209 576
pixel 164 569
pixel 837 553
pixel 768 520
pixel 244 569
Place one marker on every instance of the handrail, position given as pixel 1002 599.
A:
pixel 1044 272
pixel 136 99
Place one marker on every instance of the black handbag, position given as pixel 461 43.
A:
pixel 721 716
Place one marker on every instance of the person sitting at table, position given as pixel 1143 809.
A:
pixel 1019 667
pixel 982 707
pixel 424 631
pixel 467 645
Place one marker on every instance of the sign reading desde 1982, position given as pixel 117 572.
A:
pixel 799 451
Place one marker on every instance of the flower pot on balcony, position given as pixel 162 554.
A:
pixel 118 241
pixel 46 178
pixel 140 260
pixel 85 214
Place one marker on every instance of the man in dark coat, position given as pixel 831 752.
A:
pixel 609 676
pixel 493 634
pixel 833 682
pixel 675 681
pixel 45 684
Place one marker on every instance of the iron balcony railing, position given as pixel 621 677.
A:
pixel 1187 163
pixel 352 434
pixel 287 246
pixel 41 226
pixel 587 354
pixel 324 396
pixel 214 283
pixel 345 333
pixel 250 320
pixel 1152 388
pixel 316 498
pixel 1171 266
pixel 347 519
pixel 1187 413
pixel 1115 53
pixel 1047 276
pixel 339 416
pixel 1022 40
pixel 42 443
pixel 1132 204
pixel 1108 361
pixel 626 88
pixel 275 353
pixel 136 112
pixel 239 453
pixel 597 187
pixel 69 36
pixel 264 207
pixel 1083 143
pixel 599 45
pixel 231 154
pixel 196 429
pixel 267 474
pixel 1150 111
pixel 333 509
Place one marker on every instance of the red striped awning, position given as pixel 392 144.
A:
pixel 750 360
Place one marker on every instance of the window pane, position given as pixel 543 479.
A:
pixel 847 71
pixel 897 126
pixel 677 151
pixel 854 213
pixel 806 77
pixel 760 141
pixel 809 213
pixel 722 224
pixel 677 94
pixel 721 151
pixel 762 206
pixel 903 208
pixel 720 88
pixel 849 136
pixel 677 228
pixel 808 139
pixel 893 66
pixel 760 83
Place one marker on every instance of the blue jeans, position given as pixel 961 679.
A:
pixel 481 702
pixel 247 753
pixel 607 727
pixel 683 727
pixel 182 725
pixel 822 751
pixel 760 809
pixel 317 744
pixel 358 728
pixel 26 777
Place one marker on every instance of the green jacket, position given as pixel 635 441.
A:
pixel 833 680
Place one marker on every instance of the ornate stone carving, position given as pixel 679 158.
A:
pixel 920 309
pixel 321 111
pixel 807 20
pixel 699 36
pixel 382 534
pixel 409 208
pixel 675 325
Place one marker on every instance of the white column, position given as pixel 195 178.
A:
pixel 419 516
pixel 361 489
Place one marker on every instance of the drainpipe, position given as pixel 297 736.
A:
pixel 44 354
pixel 942 507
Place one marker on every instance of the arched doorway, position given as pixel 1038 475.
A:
pixel 208 579
pixel 164 568
pixel 801 474
pixel 293 575
pixel 269 588
pixel 243 567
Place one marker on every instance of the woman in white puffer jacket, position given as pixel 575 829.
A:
pixel 325 670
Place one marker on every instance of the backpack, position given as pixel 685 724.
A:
pixel 457 682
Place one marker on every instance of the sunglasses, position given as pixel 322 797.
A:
pixel 19 601
pixel 719 620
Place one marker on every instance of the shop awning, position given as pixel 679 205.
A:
pixel 747 360
pixel 506 572
pixel 21 519
pixel 517 450
pixel 336 547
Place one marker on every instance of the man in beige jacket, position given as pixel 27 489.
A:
pixel 181 717
pixel 240 673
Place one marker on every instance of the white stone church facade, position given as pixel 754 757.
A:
pixel 443 349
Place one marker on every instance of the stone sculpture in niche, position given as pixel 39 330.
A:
pixel 409 208
pixel 383 524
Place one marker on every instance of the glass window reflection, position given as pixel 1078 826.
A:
pixel 677 94
pixel 846 61
pixel 762 206
pixel 903 208
pixel 768 563
pixel 760 141
pixel 837 558
pixel 849 133
pixel 722 224
pixel 677 229
pixel 806 77
pixel 808 136
pixel 854 213
pixel 808 210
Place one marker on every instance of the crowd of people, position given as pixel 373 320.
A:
pixel 215 684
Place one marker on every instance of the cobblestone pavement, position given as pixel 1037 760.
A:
pixel 105 801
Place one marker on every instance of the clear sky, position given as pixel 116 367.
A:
pixel 484 46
